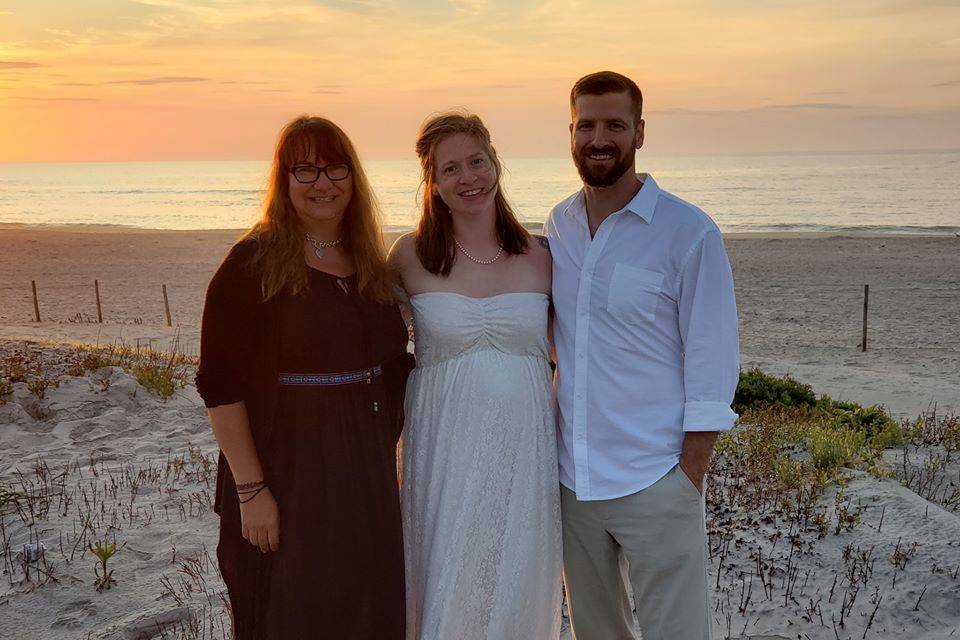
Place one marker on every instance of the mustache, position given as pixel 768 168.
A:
pixel 615 150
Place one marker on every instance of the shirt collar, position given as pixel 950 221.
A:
pixel 643 204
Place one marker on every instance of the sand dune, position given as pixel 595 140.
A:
pixel 100 456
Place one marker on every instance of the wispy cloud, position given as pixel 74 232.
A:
pixel 57 99
pixel 680 111
pixel 471 7
pixel 161 80
pixel 13 64
pixel 360 6
pixel 801 106
pixel 809 106
pixel 347 55
pixel 949 114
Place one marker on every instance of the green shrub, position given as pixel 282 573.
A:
pixel 757 388
pixel 16 367
pixel 158 379
pixel 103 550
pixel 881 431
pixel 5 389
pixel 789 472
pixel 83 362
pixel 831 448
pixel 888 436
pixel 872 420
pixel 39 386
pixel 8 496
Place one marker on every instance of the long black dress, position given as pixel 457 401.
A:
pixel 328 453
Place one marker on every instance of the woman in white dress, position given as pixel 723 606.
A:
pixel 480 496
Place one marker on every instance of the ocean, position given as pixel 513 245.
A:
pixel 867 192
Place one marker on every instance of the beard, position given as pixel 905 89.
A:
pixel 603 176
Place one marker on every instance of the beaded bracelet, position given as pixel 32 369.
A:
pixel 249 486
pixel 240 494
pixel 254 495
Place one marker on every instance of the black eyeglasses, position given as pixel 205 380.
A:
pixel 308 173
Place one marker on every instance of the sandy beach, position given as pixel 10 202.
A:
pixel 800 299
pixel 99 455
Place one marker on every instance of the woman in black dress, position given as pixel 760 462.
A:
pixel 303 364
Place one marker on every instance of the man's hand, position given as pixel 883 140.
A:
pixel 696 454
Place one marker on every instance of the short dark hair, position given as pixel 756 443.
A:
pixel 601 82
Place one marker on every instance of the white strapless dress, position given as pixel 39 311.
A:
pixel 481 509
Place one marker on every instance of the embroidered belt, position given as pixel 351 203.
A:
pixel 329 379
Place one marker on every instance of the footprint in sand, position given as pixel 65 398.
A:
pixel 72 614
pixel 152 625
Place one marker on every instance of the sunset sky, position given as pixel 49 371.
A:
pixel 215 79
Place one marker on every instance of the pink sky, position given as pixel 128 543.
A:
pixel 216 79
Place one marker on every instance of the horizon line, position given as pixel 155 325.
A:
pixel 828 152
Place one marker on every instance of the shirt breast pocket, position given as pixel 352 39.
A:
pixel 634 293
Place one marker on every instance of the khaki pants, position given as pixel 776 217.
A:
pixel 660 531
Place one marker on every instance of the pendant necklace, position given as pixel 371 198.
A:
pixel 320 245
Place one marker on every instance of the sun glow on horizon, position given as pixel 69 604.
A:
pixel 216 79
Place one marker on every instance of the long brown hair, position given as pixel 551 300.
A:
pixel 280 233
pixel 434 237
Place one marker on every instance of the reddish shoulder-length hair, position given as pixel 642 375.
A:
pixel 280 234
pixel 434 237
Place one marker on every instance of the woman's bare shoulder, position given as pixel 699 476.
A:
pixel 539 249
pixel 404 247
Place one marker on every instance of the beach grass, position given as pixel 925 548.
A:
pixel 790 534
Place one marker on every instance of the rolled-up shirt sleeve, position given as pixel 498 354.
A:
pixel 227 331
pixel 708 328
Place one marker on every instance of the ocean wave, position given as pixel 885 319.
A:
pixel 227 192
pixel 825 228
pixel 535 227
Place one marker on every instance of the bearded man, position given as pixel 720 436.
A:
pixel 645 330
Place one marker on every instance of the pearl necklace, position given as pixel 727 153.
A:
pixel 477 260
pixel 320 245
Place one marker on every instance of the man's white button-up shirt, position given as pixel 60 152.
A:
pixel 645 328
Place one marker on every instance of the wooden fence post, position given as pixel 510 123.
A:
pixel 96 288
pixel 166 306
pixel 866 301
pixel 36 305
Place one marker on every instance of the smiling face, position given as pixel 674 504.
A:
pixel 465 176
pixel 323 201
pixel 604 137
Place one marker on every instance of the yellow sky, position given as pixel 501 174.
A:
pixel 212 79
